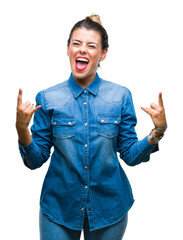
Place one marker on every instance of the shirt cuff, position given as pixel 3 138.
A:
pixel 147 148
pixel 27 151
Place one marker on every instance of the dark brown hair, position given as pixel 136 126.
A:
pixel 92 23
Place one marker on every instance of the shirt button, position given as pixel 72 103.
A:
pixel 86 145
pixel 86 167
pixel 86 124
pixel 55 123
pixel 86 187
pixel 82 209
pixel 115 121
pixel 102 120
pixel 70 123
pixel 85 103
pixel 85 91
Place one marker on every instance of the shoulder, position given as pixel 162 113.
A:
pixel 53 96
pixel 113 91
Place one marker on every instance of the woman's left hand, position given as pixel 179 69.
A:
pixel 157 113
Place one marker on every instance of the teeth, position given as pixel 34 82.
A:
pixel 82 60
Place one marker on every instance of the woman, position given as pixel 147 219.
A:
pixel 87 120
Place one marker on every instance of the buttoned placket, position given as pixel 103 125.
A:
pixel 86 137
pixel 85 191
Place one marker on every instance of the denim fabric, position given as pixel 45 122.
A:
pixel 52 231
pixel 87 128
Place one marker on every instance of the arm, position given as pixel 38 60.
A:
pixel 24 115
pixel 131 150
pixel 35 148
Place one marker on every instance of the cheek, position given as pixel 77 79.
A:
pixel 70 51
pixel 98 55
pixel 96 58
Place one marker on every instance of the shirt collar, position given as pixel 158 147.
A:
pixel 77 89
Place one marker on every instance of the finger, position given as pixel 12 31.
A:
pixel 147 110
pixel 150 111
pixel 160 99
pixel 19 99
pixel 29 108
pixel 26 105
pixel 36 108
pixel 154 106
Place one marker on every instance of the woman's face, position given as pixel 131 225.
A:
pixel 85 52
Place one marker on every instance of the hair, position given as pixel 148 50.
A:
pixel 92 22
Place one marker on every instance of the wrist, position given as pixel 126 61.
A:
pixel 158 133
pixel 24 135
pixel 163 128
pixel 155 136
pixel 21 127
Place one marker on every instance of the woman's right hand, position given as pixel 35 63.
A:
pixel 24 112
pixel 24 115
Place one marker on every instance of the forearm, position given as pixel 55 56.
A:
pixel 24 115
pixel 24 135
pixel 34 154
pixel 24 138
pixel 139 152
pixel 34 144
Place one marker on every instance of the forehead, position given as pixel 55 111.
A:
pixel 83 34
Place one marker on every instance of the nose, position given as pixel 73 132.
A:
pixel 83 49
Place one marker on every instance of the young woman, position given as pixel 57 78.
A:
pixel 87 120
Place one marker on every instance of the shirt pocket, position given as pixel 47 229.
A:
pixel 108 125
pixel 63 127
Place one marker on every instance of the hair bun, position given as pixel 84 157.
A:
pixel 95 18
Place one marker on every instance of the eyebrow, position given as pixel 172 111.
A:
pixel 93 43
pixel 75 40
pixel 88 42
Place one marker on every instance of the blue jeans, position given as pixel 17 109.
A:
pixel 52 231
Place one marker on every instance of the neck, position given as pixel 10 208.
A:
pixel 84 82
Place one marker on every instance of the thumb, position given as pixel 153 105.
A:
pixel 36 108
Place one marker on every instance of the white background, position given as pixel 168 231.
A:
pixel 145 55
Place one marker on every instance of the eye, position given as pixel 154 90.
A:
pixel 75 43
pixel 92 46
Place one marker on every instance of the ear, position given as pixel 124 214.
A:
pixel 67 49
pixel 103 54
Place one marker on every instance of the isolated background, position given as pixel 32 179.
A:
pixel 145 55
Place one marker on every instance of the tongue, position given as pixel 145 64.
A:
pixel 81 65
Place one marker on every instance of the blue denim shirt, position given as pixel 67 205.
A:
pixel 87 127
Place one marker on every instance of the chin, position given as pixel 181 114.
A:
pixel 81 75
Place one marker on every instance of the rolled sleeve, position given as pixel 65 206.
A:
pixel 140 152
pixel 29 153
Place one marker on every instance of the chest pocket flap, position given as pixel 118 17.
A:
pixel 63 127
pixel 108 125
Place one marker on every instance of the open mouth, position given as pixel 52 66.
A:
pixel 81 63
